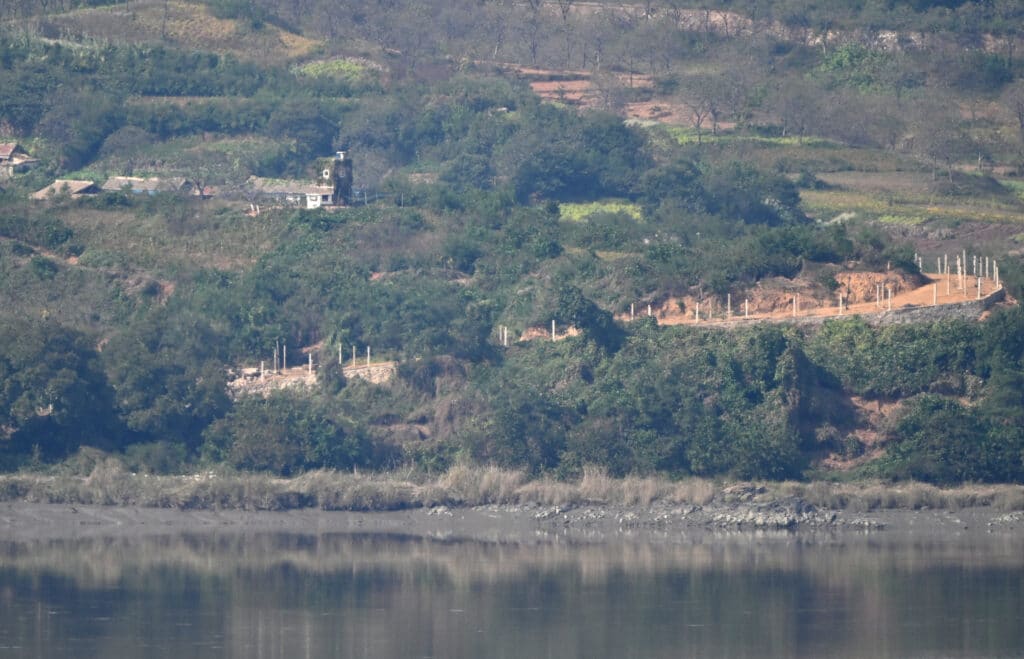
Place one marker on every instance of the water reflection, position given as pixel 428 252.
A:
pixel 285 595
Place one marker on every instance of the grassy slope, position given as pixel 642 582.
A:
pixel 872 184
pixel 185 25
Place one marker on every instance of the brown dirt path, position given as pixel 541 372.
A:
pixel 939 290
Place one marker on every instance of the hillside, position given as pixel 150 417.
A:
pixel 508 169
pixel 178 25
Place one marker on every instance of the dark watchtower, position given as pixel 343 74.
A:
pixel 337 172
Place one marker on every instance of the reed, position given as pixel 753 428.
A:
pixel 107 482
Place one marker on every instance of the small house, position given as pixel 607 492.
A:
pixel 69 187
pixel 292 193
pixel 331 186
pixel 14 159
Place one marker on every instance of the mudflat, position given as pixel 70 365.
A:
pixel 529 522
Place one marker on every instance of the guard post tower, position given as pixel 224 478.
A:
pixel 337 173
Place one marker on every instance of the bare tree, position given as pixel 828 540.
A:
pixel 1009 16
pixel 939 136
pixel 531 26
pixel 658 39
pixel 888 124
pixel 693 95
pixel 612 95
pixel 1013 100
pixel 796 103
pixel 712 96
pixel 494 24
pixel 568 33
pixel 597 33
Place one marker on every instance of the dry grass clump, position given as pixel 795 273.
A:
pixel 481 485
pixel 550 493
pixel 109 484
pixel 334 490
pixel 695 491
pixel 103 480
pixel 644 491
pixel 597 486
pixel 364 494
pixel 14 488
pixel 824 495
pixel 1009 499
pixel 912 495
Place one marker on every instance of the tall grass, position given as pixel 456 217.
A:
pixel 911 495
pixel 109 483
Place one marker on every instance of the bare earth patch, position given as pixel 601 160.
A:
pixel 774 299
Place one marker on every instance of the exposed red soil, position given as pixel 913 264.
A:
pixel 872 415
pixel 860 292
pixel 533 333
pixel 583 89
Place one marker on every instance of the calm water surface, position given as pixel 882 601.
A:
pixel 295 596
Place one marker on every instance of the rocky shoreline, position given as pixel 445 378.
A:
pixel 509 522
pixel 790 516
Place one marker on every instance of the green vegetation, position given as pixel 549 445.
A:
pixel 358 75
pixel 481 206
pixel 689 136
pixel 583 211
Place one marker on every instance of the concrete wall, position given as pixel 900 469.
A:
pixel 375 373
pixel 381 373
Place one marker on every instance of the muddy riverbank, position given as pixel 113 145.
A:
pixel 31 521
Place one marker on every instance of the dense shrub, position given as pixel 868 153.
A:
pixel 284 433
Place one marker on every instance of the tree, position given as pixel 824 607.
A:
pixel 568 33
pixel 596 324
pixel 888 124
pixel 612 95
pixel 938 440
pixel 25 91
pixel 168 376
pixel 203 167
pixel 126 144
pixel 77 123
pixel 305 121
pixel 532 28
pixel 676 180
pixel 284 433
pixel 523 430
pixel 694 95
pixel 494 28
pixel 939 137
pixel 796 103
pixel 1006 24
pixel 53 393
pixel 1013 100
pixel 739 191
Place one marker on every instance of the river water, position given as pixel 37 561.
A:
pixel 292 596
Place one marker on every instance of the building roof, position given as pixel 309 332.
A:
pixel 70 186
pixel 137 184
pixel 278 187
pixel 13 152
pixel 8 149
